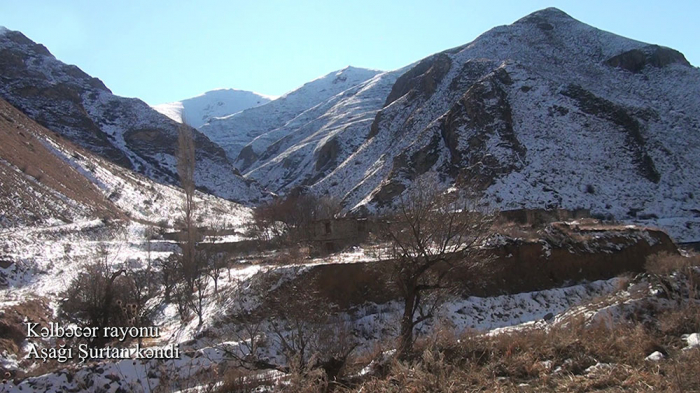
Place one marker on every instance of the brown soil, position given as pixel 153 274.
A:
pixel 36 183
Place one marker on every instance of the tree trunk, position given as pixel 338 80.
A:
pixel 406 335
pixel 166 281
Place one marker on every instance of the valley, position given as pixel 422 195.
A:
pixel 512 214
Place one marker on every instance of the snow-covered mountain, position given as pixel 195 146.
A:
pixel 546 112
pixel 312 145
pixel 124 130
pixel 234 132
pixel 215 103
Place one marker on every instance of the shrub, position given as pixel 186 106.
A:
pixel 662 265
pixel 104 295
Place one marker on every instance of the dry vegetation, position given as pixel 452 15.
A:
pixel 570 355
pixel 563 359
pixel 574 356
pixel 557 360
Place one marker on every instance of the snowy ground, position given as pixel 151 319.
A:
pixel 372 324
pixel 202 354
pixel 47 258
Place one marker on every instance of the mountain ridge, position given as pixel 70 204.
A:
pixel 126 131
pixel 547 112
pixel 235 131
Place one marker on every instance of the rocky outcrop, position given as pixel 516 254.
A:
pixel 328 155
pixel 481 114
pixel 422 79
pixel 620 116
pixel 656 56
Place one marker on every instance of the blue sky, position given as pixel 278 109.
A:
pixel 162 51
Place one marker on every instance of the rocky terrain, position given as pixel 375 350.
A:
pixel 546 112
pixel 541 113
pixel 125 131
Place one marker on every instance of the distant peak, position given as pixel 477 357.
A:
pixel 228 90
pixel 4 30
pixel 223 89
pixel 544 15
pixel 551 12
pixel 356 69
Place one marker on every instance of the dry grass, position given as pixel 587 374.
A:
pixel 554 360
pixel 665 263
pixel 577 357
pixel 571 357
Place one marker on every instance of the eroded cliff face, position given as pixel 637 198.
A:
pixel 125 131
pixel 561 255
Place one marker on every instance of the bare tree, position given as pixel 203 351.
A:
pixel 216 263
pixel 296 319
pixel 191 264
pixel 430 235
pixel 196 284
pixel 291 219
pixel 141 287
pixel 168 275
pixel 90 300
pixel 185 169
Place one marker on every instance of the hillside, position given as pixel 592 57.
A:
pixel 47 181
pixel 125 131
pixel 37 185
pixel 234 132
pixel 198 110
pixel 547 112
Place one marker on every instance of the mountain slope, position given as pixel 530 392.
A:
pixel 312 145
pixel 45 180
pixel 546 112
pixel 215 103
pixel 36 186
pixel 233 132
pixel 126 131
